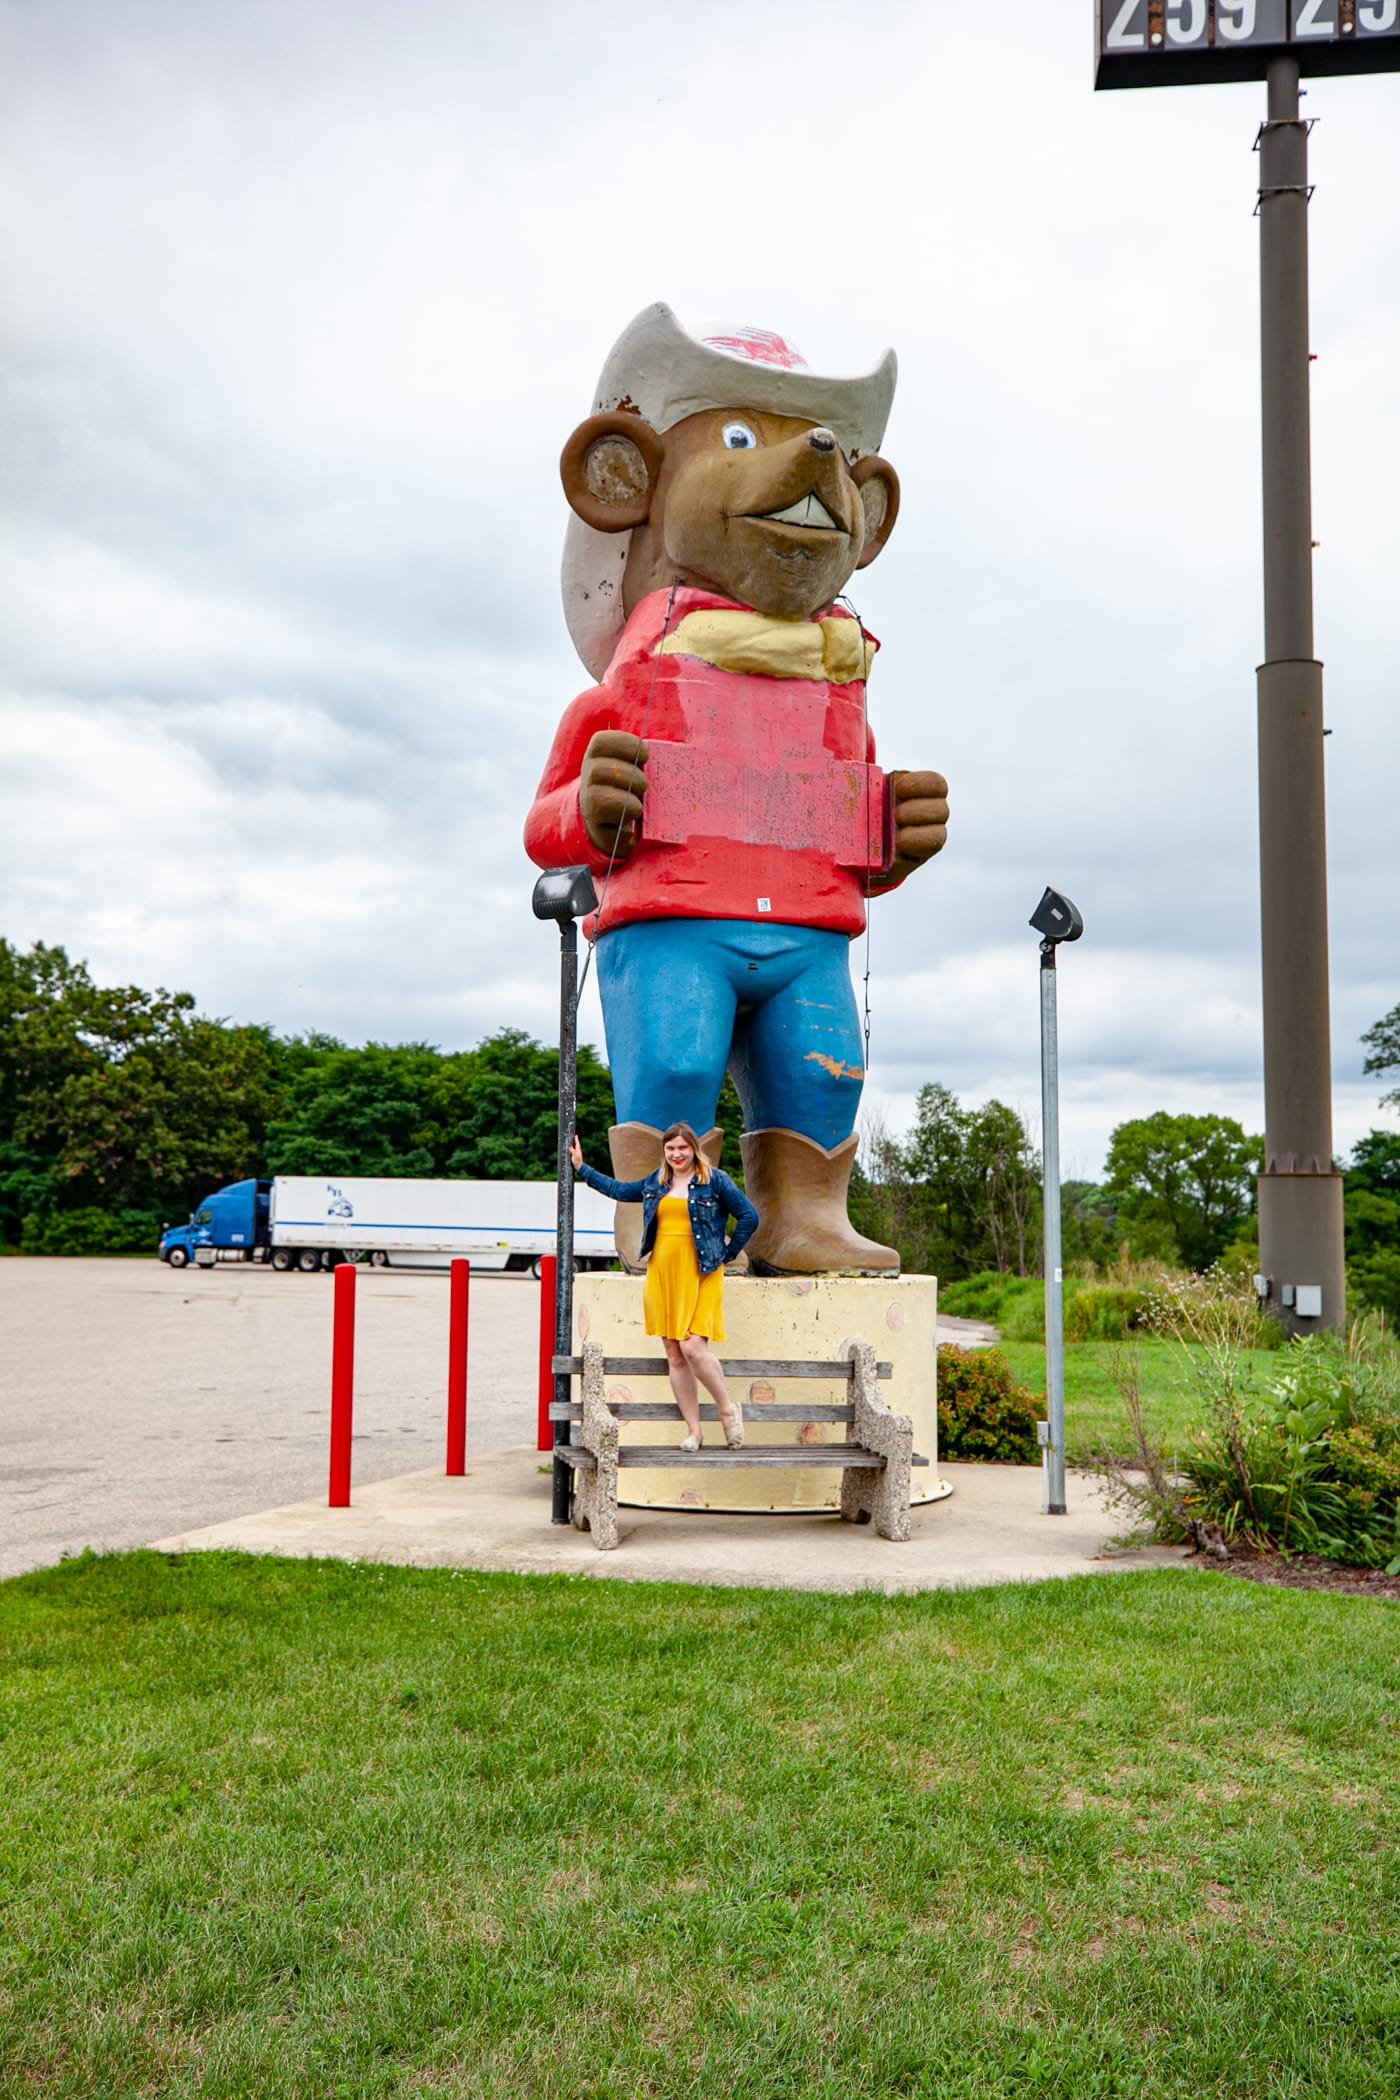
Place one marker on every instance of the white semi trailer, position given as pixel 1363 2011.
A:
pixel 302 1221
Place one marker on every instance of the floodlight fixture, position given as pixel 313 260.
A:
pixel 1056 919
pixel 563 894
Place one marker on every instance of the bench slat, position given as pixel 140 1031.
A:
pixel 756 1455
pixel 751 1455
pixel 664 1411
pixel 770 1455
pixel 733 1367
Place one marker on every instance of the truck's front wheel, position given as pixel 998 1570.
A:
pixel 178 1258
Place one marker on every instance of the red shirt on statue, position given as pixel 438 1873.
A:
pixel 763 800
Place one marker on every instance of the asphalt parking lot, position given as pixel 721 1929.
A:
pixel 137 1401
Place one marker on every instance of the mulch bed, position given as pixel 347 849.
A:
pixel 1301 1571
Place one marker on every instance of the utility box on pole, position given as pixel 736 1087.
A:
pixel 1177 43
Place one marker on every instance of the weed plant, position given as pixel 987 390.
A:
pixel 1305 1460
pixel 1100 1305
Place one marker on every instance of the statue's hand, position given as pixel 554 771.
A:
pixel 611 787
pixel 920 819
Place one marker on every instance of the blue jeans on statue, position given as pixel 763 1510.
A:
pixel 684 998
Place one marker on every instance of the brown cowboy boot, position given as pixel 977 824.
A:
pixel 799 1191
pixel 635 1149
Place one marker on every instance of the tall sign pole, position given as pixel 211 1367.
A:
pixel 1164 43
pixel 1300 1190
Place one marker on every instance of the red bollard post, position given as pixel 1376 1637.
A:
pixel 549 1265
pixel 342 1383
pixel 457 1318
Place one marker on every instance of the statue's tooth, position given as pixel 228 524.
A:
pixel 807 510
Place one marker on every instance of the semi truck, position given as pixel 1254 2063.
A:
pixel 296 1221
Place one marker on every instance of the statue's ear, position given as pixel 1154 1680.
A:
pixel 609 469
pixel 879 493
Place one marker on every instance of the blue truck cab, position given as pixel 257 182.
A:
pixel 233 1222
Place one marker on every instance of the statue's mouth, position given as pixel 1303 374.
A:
pixel 808 510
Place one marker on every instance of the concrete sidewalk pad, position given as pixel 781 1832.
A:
pixel 498 1516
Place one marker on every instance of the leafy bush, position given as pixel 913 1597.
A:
pixel 1103 1312
pixel 1310 1464
pixel 980 1297
pixel 1374 1280
pixel 91 1231
pixel 1095 1310
pixel 982 1414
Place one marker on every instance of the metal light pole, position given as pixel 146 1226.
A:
pixel 1300 1191
pixel 566 895
pixel 1055 919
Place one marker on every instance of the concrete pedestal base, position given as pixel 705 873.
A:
pixel 802 1318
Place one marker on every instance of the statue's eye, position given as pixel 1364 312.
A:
pixel 738 437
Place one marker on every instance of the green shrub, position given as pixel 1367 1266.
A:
pixel 1374 1280
pixel 1023 1312
pixel 979 1297
pixel 1095 1310
pixel 91 1231
pixel 1015 1304
pixel 982 1414
pixel 1307 1462
pixel 1367 1462
pixel 1103 1312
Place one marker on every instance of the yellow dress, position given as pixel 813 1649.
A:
pixel 677 1299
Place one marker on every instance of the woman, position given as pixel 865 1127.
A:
pixel 684 1206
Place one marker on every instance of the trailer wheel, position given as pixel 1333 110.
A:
pixel 309 1259
pixel 282 1258
pixel 178 1258
pixel 379 1259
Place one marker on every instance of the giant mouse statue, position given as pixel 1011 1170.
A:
pixel 720 778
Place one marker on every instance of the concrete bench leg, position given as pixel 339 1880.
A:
pixel 880 1496
pixel 595 1495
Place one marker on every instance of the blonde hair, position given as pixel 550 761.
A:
pixel 683 1130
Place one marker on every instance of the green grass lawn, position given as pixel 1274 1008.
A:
pixel 287 1828
pixel 1093 1406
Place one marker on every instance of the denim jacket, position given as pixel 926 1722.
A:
pixel 710 1203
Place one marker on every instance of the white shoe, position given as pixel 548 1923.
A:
pixel 694 1441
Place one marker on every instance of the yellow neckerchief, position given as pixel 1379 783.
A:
pixel 834 649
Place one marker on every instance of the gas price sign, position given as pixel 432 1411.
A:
pixel 1174 43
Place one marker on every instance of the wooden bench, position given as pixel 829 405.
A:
pixel 875 1458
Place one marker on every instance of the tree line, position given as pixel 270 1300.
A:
pixel 960 1193
pixel 120 1108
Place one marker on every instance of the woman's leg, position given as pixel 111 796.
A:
pixel 683 1385
pixel 704 1365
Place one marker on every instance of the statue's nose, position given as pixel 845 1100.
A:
pixel 821 440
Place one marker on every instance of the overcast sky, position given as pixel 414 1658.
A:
pixel 302 302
